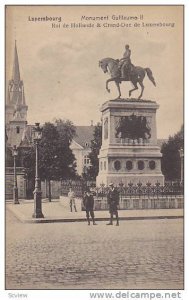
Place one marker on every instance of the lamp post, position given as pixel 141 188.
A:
pixel 37 135
pixel 15 187
pixel 181 151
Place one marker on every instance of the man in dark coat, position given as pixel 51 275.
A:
pixel 88 202
pixel 113 202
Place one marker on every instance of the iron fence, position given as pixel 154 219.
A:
pixel 139 190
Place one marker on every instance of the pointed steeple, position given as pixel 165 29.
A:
pixel 16 108
pixel 23 97
pixel 16 70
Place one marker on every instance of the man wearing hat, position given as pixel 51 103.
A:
pixel 88 202
pixel 113 202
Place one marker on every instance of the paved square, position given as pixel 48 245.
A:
pixel 138 254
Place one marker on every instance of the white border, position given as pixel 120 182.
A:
pixel 74 294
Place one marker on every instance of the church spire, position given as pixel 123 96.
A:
pixel 23 97
pixel 16 70
pixel 16 108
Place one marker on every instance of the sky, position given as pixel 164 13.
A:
pixel 59 66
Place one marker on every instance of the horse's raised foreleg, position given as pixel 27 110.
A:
pixel 142 89
pixel 135 88
pixel 107 81
pixel 118 87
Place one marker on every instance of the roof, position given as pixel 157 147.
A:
pixel 15 93
pixel 16 69
pixel 84 134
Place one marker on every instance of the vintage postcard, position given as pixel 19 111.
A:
pixel 94 134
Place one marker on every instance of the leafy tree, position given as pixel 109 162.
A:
pixel 66 131
pixel 96 143
pixel 171 162
pixel 56 160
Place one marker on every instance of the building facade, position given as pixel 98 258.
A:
pixel 81 147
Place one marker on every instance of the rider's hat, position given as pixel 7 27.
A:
pixel 127 46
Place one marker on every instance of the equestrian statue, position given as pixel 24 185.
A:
pixel 124 70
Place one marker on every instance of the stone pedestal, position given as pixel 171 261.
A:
pixel 129 151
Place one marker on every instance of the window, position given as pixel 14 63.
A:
pixel 87 160
pixel 17 129
pixel 101 165
pixel 152 164
pixel 140 165
pixel 129 165
pixel 117 165
pixel 104 165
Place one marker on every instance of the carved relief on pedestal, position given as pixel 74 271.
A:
pixel 132 127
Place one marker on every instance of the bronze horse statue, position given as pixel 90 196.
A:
pixel 136 75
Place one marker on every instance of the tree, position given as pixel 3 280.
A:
pixel 56 160
pixel 171 162
pixel 96 143
pixel 66 131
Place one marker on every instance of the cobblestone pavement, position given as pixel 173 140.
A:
pixel 139 254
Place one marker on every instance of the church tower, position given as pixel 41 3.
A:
pixel 16 108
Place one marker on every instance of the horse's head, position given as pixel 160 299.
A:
pixel 103 65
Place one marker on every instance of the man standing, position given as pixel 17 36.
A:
pixel 71 196
pixel 125 62
pixel 113 202
pixel 88 202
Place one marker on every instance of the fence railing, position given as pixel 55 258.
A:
pixel 139 190
pixel 145 191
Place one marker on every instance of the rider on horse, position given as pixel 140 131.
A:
pixel 125 62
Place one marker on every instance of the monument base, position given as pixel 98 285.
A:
pixel 129 151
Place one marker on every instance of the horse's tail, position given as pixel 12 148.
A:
pixel 150 75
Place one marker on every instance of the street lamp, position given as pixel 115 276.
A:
pixel 15 187
pixel 181 151
pixel 37 135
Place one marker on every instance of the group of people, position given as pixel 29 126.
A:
pixel 88 204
